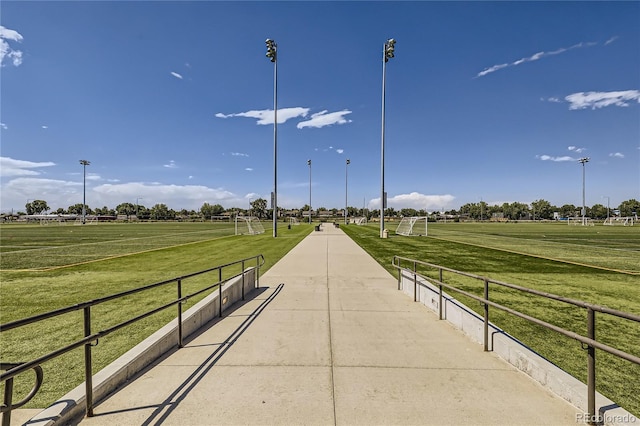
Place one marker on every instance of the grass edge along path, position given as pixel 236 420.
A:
pixel 616 377
pixel 26 294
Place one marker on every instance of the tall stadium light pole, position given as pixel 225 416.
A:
pixel 346 189
pixel 309 164
pixel 387 52
pixel 84 163
pixel 607 197
pixel 583 160
pixel 272 54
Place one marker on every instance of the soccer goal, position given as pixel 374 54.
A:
pixel 294 221
pixel 580 221
pixel 624 221
pixel 248 225
pixel 360 220
pixel 412 226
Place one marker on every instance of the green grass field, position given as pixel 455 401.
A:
pixel 47 267
pixel 599 264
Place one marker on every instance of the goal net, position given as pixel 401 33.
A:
pixel 580 221
pixel 412 226
pixel 248 225
pixel 294 221
pixel 360 220
pixel 624 221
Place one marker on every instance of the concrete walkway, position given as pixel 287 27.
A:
pixel 329 340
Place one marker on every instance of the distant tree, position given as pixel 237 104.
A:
pixel 408 212
pixel 77 209
pixel 541 209
pixel 259 208
pixel 598 211
pixel 207 210
pixel 567 210
pixel 390 212
pixel 60 211
pixel 127 209
pixel 36 207
pixel 629 208
pixel 161 212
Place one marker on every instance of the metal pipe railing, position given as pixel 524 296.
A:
pixel 590 340
pixel 11 370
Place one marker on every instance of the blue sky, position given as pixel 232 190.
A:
pixel 172 102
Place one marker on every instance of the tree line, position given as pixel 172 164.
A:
pixel 537 210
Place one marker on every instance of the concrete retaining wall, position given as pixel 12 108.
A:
pixel 515 352
pixel 73 404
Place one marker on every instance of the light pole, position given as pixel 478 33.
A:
pixel 309 164
pixel 607 197
pixel 272 54
pixel 387 52
pixel 84 163
pixel 346 189
pixel 583 160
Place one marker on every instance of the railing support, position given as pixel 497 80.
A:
pixel 440 294
pixel 8 400
pixel 220 291
pixel 591 366
pixel 243 275
pixel 88 367
pixel 415 283
pixel 486 316
pixel 180 345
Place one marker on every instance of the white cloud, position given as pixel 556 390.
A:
pixel 339 151
pixel 553 99
pixel 557 159
pixel 415 200
pixel 6 52
pixel 534 57
pixel 576 149
pixel 171 165
pixel 3 126
pixel 611 40
pixel 593 100
pixel 249 169
pixel 239 154
pixel 11 167
pixel 176 75
pixel 322 119
pixel 44 127
pixel 265 116
pixel 616 155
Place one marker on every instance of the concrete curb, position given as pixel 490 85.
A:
pixel 72 406
pixel 516 353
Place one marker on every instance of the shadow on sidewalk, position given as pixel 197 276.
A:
pixel 164 409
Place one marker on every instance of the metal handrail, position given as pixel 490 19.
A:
pixel 590 340
pixel 14 369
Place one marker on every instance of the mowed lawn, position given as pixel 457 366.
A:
pixel 48 267
pixel 597 264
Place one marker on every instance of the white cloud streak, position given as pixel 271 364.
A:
pixel 3 126
pixel 557 159
pixel 170 165
pixel 576 149
pixel 10 167
pixel 324 118
pixel 266 116
pixel 6 52
pixel 534 57
pixel 616 155
pixel 239 154
pixel 176 75
pixel 596 100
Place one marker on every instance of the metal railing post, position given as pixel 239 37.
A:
pixel 88 368
pixel 591 365
pixel 440 295
pixel 220 290
pixel 8 401
pixel 486 316
pixel 415 283
pixel 243 275
pixel 399 275
pixel 257 271
pixel 180 345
